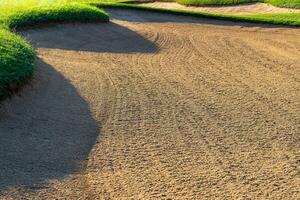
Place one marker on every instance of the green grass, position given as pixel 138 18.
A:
pixel 16 62
pixel 279 3
pixel 212 2
pixel 16 55
pixel 292 19
pixel 284 3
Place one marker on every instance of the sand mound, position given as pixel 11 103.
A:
pixel 155 106
pixel 249 8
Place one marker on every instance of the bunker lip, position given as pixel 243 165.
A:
pixel 285 19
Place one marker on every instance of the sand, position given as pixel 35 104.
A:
pixel 155 106
pixel 248 8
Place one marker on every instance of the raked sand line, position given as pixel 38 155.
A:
pixel 155 106
pixel 249 8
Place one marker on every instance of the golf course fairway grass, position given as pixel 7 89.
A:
pixel 279 3
pixel 155 106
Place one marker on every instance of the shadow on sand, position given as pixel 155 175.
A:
pixel 45 133
pixel 146 16
pixel 97 37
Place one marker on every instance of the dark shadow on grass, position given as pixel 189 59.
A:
pixel 92 37
pixel 148 16
pixel 46 132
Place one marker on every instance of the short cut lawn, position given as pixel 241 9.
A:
pixel 279 3
pixel 16 55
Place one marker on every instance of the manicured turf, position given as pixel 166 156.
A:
pixel 284 3
pixel 279 3
pixel 212 2
pixel 292 19
pixel 16 62
pixel 56 13
pixel 16 55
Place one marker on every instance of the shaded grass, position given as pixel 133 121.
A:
pixel 16 62
pixel 292 19
pixel 16 55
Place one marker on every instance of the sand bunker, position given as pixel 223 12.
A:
pixel 155 106
pixel 249 8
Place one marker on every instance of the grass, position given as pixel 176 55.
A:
pixel 292 19
pixel 16 62
pixel 212 2
pixel 284 3
pixel 279 3
pixel 16 55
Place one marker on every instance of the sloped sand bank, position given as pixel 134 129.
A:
pixel 249 8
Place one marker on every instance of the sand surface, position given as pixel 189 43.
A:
pixel 248 8
pixel 155 106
